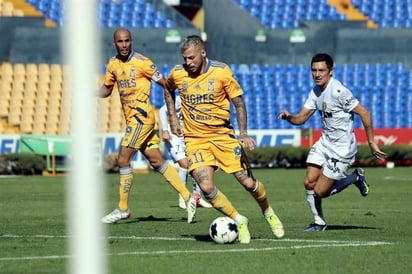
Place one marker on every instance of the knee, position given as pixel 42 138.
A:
pixel 309 184
pixel 156 161
pixel 210 191
pixel 122 162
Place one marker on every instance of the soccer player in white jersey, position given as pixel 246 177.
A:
pixel 331 156
pixel 176 147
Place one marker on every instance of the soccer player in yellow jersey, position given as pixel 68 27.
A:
pixel 206 88
pixel 133 73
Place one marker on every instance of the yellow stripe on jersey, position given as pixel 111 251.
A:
pixel 206 98
pixel 133 79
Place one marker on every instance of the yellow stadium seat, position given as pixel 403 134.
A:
pixel 56 88
pixel 30 88
pixel 15 119
pixel 7 9
pixel 19 69
pixel 18 13
pixel 64 129
pixel 16 100
pixel 40 116
pixel 52 118
pixel 41 104
pixel 65 117
pixel 7 78
pixel 39 127
pixel 18 87
pixel 52 128
pixel 53 109
pixel 5 90
pixel 56 72
pixel 56 69
pixel 31 69
pixel 4 107
pixel 44 69
pixel 43 88
pixel 6 67
pixel 28 105
pixel 26 126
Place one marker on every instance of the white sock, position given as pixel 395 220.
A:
pixel 183 175
pixel 268 212
pixel 315 206
pixel 239 218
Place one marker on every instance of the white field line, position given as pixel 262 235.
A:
pixel 299 245
pixel 396 178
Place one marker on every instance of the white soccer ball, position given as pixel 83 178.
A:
pixel 223 230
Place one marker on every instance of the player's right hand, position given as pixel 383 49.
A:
pixel 175 125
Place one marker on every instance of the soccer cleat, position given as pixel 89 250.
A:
pixel 116 215
pixel 315 227
pixel 275 225
pixel 191 207
pixel 244 235
pixel 204 203
pixel 361 182
pixel 182 203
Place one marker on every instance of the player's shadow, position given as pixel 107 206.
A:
pixel 201 238
pixel 347 227
pixel 149 218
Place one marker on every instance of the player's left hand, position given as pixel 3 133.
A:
pixel 247 142
pixel 376 151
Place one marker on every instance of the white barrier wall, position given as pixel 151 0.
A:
pixel 110 143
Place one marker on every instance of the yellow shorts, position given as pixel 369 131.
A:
pixel 140 137
pixel 224 150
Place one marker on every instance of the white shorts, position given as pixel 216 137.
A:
pixel 176 147
pixel 334 167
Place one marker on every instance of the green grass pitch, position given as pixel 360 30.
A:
pixel 366 234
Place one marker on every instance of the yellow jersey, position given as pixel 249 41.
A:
pixel 133 79
pixel 206 98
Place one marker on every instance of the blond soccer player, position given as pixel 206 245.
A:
pixel 206 88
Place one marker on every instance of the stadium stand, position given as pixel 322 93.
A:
pixel 125 13
pixel 272 13
pixel 387 13
pixel 37 104
pixel 33 100
pixel 270 88
pixel 288 14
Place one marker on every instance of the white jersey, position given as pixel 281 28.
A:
pixel 176 145
pixel 335 105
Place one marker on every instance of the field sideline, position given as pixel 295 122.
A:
pixel 366 235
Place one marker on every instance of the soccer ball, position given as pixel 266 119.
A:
pixel 223 230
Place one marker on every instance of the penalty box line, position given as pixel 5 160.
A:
pixel 299 245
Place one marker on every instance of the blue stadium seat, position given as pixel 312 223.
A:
pixel 386 13
pixel 279 87
pixel 124 13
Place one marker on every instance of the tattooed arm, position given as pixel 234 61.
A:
pixel 241 117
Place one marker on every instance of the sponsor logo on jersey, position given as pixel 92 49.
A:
pixel 211 85
pixel 184 86
pixel 132 72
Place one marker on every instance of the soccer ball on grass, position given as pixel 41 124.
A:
pixel 223 230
